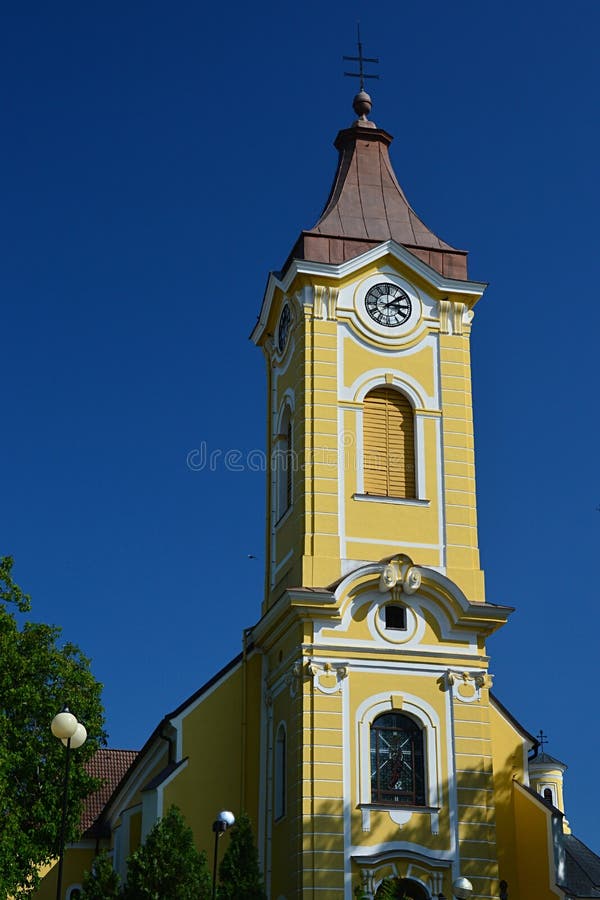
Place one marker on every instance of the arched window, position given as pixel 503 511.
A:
pixel 280 767
pixel 389 444
pixel 74 893
pixel 284 464
pixel 397 761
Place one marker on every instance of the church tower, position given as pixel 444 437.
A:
pixel 378 711
pixel 366 336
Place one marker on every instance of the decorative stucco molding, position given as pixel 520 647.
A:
pixel 465 686
pixel 400 572
pixel 327 676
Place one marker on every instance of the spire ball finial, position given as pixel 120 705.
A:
pixel 362 104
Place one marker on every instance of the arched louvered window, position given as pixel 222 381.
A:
pixel 389 444
pixel 397 761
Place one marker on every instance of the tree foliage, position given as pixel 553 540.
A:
pixel 392 889
pixel 168 864
pixel 239 872
pixel 101 882
pixel 38 677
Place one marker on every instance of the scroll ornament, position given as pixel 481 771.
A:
pixel 400 572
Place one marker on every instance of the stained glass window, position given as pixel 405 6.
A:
pixel 397 761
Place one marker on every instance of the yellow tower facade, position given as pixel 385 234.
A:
pixel 374 622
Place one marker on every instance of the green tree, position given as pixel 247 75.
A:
pixel 392 889
pixel 168 864
pixel 102 882
pixel 239 872
pixel 38 677
pixel 388 890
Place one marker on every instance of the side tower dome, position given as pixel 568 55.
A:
pixel 546 777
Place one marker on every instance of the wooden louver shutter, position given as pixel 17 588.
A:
pixel 389 444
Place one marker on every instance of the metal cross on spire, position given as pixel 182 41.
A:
pixel 542 739
pixel 361 60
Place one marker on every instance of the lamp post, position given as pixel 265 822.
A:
pixel 223 821
pixel 72 733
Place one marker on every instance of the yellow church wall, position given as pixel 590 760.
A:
pixel 475 792
pixel 249 794
pixel 322 806
pixel 508 755
pixel 317 465
pixel 135 830
pixel 282 856
pixel 391 521
pixel 417 363
pixel 76 862
pixel 457 421
pixel 214 743
pixel 533 838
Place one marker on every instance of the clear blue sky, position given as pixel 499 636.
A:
pixel 157 161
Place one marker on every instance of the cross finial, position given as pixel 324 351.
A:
pixel 542 739
pixel 361 60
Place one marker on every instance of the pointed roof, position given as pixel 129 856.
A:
pixel 544 760
pixel 367 206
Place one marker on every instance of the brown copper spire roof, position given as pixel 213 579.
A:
pixel 367 206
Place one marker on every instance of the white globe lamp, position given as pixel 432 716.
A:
pixel 462 888
pixel 78 738
pixel 63 725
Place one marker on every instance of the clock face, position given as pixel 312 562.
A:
pixel 388 305
pixel 284 327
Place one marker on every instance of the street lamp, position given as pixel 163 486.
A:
pixel 462 888
pixel 223 821
pixel 72 733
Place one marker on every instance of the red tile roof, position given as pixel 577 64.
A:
pixel 110 766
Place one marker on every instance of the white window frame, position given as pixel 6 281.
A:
pixel 419 416
pixel 282 459
pixel 429 722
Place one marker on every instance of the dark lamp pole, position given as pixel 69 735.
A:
pixel 72 733
pixel 223 821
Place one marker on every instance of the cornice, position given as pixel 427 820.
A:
pixel 398 573
pixel 472 289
